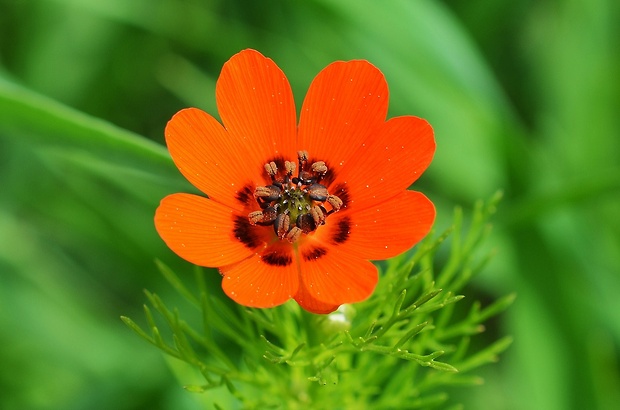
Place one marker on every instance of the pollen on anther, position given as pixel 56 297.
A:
pixel 290 167
pixel 271 168
pixel 319 167
pixel 302 155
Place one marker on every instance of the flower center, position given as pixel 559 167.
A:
pixel 294 205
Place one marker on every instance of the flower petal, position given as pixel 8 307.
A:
pixel 309 303
pixel 337 277
pixel 199 230
pixel 383 231
pixel 208 157
pixel 256 105
pixel 387 164
pixel 266 279
pixel 345 104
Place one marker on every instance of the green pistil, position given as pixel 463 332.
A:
pixel 294 202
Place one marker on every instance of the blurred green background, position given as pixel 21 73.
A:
pixel 524 96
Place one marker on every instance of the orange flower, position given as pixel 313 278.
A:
pixel 297 211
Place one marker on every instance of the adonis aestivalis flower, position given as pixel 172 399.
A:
pixel 297 210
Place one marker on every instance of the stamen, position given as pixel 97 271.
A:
pixel 290 167
pixel 255 217
pixel 293 234
pixel 270 214
pixel 319 167
pixel 335 202
pixel 318 192
pixel 305 177
pixel 268 193
pixel 282 225
pixel 318 215
pixel 302 156
pixel 306 223
pixel 264 217
pixel 271 168
pixel 294 205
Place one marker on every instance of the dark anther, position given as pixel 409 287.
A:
pixel 305 177
pixel 269 215
pixel 281 225
pixel 306 223
pixel 265 217
pixel 268 193
pixel 318 192
pixel 318 215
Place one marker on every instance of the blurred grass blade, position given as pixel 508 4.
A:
pixel 433 65
pixel 44 123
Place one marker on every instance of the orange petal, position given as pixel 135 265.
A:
pixel 199 230
pixel 256 105
pixel 309 303
pixel 380 232
pixel 335 277
pixel 266 279
pixel 209 157
pixel 388 163
pixel 345 104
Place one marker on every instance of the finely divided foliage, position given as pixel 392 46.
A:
pixel 286 358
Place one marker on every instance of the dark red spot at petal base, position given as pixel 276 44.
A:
pixel 314 253
pixel 245 195
pixel 277 259
pixel 342 231
pixel 245 232
pixel 281 169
